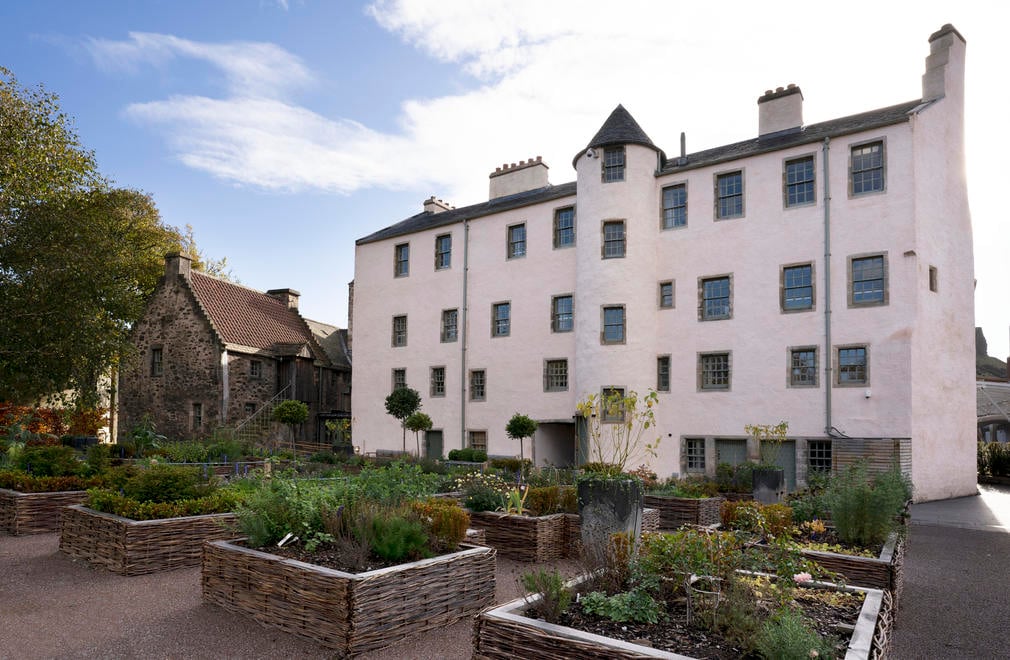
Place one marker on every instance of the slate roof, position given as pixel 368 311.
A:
pixel 864 121
pixel 248 317
pixel 992 399
pixel 621 128
pixel 428 220
pixel 333 341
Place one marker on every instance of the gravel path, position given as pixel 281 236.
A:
pixel 55 607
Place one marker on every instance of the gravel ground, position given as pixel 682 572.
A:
pixel 55 607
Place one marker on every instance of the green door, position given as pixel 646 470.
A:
pixel 433 444
pixel 786 459
pixel 730 451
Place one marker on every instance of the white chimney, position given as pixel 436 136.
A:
pixel 780 110
pixel 517 178
pixel 945 65
pixel 432 205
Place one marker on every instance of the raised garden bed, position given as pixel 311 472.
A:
pixel 137 547
pixel 505 632
pixel 883 572
pixel 677 511
pixel 540 538
pixel 350 612
pixel 34 513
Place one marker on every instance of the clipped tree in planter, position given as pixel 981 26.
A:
pixel 519 428
pixel 417 422
pixel 401 404
pixel 291 413
pixel 764 448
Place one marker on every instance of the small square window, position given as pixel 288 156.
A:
pixel 255 369
pixel 450 320
pixel 663 373
pixel 613 325
pixel 157 361
pixel 675 206
pixel 401 260
pixel 799 181
pixel 564 227
pixel 612 408
pixel 867 168
pixel 516 241
pixel 478 385
pixel 803 367
pixel 562 314
pixel 399 378
pixel 713 371
pixel 197 416
pixel 399 331
pixel 819 456
pixel 477 440
pixel 613 164
pixel 694 454
pixel 715 298
pixel 797 288
pixel 443 251
pixel 614 239
pixel 729 195
pixel 868 280
pixel 501 319
pixel 437 381
pixel 555 375
pixel 853 367
pixel 666 295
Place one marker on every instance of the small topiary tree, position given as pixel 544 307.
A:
pixel 519 428
pixel 417 422
pixel 401 404
pixel 291 413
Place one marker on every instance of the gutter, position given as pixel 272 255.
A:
pixel 461 331
pixel 827 291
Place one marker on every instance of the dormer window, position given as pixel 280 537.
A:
pixel 613 164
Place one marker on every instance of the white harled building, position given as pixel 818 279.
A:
pixel 818 274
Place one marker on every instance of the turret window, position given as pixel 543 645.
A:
pixel 613 164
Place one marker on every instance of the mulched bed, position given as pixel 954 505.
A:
pixel 676 636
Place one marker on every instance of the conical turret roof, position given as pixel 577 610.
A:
pixel 620 128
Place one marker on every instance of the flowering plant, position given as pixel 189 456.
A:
pixel 514 501
pixel 482 492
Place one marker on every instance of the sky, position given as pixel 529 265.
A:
pixel 284 130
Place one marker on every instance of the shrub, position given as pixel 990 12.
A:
pixel 163 483
pixel 327 457
pixel 688 551
pixel 392 484
pixel 512 465
pixel 555 598
pixel 468 454
pixel 605 469
pixel 27 483
pixel 285 506
pixel 735 478
pixel 107 501
pixel 545 500
pixel 864 510
pixel 636 605
pixel 185 452
pixel 695 487
pixel 994 459
pixel 786 636
pixel 395 538
pixel 445 521
pixel 97 460
pixel 45 458
pixel 225 450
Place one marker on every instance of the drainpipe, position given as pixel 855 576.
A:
pixel 225 393
pixel 827 291
pixel 461 331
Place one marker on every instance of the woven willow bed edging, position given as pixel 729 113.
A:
pixel 883 572
pixel 503 633
pixel 138 547
pixel 350 612
pixel 677 511
pixel 34 513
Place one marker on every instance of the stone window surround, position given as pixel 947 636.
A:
pixel 789 367
pixel 443 334
pixel 555 231
pixel 443 258
pixel 742 171
pixel 507 320
pixel 883 166
pixel 662 207
pixel 813 288
pixel 548 387
pixel 700 371
pixel 196 415
pixel 483 385
pixel 603 238
pixel 886 277
pixel 554 312
pixel 398 336
pixel 157 360
pixel 605 168
pixel 786 161
pixel 604 393
pixel 838 370
pixel 662 360
pixel 693 460
pixel 673 294
pixel 394 381
pixel 603 325
pixel 701 297
pixel 472 434
pixel 435 382
pixel 512 250
pixel 401 255
pixel 255 368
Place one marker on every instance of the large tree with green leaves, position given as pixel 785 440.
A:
pixel 78 258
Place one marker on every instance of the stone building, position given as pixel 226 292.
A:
pixel 819 274
pixel 212 354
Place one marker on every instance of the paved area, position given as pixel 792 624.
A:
pixel 956 602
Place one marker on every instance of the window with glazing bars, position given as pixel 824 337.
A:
pixel 803 367
pixel 438 381
pixel 799 176
pixel 450 319
pixel 729 195
pixel 714 371
pixel 555 375
pixel 399 378
pixel 666 295
pixel 675 206
pixel 868 278
pixel 401 260
pixel 613 164
pixel 715 298
pixel 478 440
pixel 564 227
pixel 501 319
pixel 613 325
pixel 478 384
pixel 852 365
pixel 663 373
pixel 197 416
pixel 868 168
pixel 819 455
pixel 613 239
pixel 400 330
pixel 443 251
pixel 694 451
pixel 562 317
pixel 797 287
pixel 517 241
pixel 157 361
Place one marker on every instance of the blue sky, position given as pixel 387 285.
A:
pixel 283 130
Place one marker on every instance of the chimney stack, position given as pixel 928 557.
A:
pixel 287 296
pixel 432 205
pixel 780 110
pixel 177 265
pixel 944 65
pixel 516 178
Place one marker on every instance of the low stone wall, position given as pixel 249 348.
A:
pixel 350 612
pixel 34 513
pixel 136 547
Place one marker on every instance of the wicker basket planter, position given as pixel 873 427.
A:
pixel 137 547
pixel 350 612
pixel 677 511
pixel 524 538
pixel 34 513
pixel 883 572
pixel 505 633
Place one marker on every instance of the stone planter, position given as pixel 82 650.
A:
pixel 524 538
pixel 609 506
pixel 769 485
pixel 350 612
pixel 34 513
pixel 677 511
pixel 137 547
pixel 504 632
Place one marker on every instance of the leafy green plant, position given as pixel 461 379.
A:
pixel 481 491
pixel 693 487
pixel 395 538
pixel 417 422
pixel 520 427
pixel 786 636
pixel 164 483
pixel 514 501
pixel 545 500
pixel 29 483
pixel 185 452
pixel 864 509
pixel 617 424
pixel 468 454
pixel 636 605
pixel 445 521
pixel 144 436
pixel 554 596
pixel 48 460
pixel 97 459
pixel 108 501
